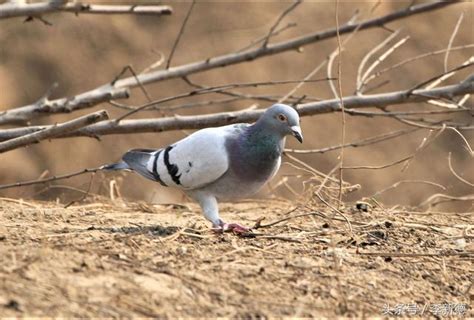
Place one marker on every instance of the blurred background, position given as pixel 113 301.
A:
pixel 86 51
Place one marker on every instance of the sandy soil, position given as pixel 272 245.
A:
pixel 135 260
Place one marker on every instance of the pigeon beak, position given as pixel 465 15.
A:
pixel 296 130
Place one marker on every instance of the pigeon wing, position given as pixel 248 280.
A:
pixel 190 163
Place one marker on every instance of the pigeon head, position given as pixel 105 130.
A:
pixel 283 120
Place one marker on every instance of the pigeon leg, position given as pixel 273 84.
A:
pixel 234 227
pixel 210 209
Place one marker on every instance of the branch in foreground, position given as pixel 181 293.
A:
pixel 359 143
pixel 45 107
pixel 223 118
pixel 50 179
pixel 58 106
pixel 12 10
pixel 53 131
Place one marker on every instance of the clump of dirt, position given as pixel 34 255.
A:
pixel 120 260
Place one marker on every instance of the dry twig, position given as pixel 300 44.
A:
pixel 451 40
pixel 343 114
pixel 277 22
pixel 457 175
pixel 12 10
pixel 181 31
pixel 50 179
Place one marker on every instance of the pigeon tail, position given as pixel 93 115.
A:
pixel 116 166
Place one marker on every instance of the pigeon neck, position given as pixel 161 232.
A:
pixel 263 139
pixel 255 153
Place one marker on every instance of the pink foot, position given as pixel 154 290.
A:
pixel 234 227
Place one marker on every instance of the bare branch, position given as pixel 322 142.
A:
pixel 360 143
pixel 98 95
pixel 12 10
pixel 223 118
pixel 46 107
pixel 53 131
pixel 50 179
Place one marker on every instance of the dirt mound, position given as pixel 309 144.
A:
pixel 119 260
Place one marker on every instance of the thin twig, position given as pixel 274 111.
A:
pixel 468 146
pixel 369 55
pixel 423 145
pixel 259 225
pixel 359 143
pixel 414 255
pixel 305 80
pixel 412 59
pixel 155 64
pixel 277 22
pixel 451 40
pixel 140 85
pixel 396 184
pixel 338 211
pixel 391 164
pixel 440 76
pixel 457 175
pixel 402 113
pixel 275 33
pixel 446 198
pixel 50 179
pixel 310 168
pixel 85 194
pixel 181 31
pixel 379 61
pixel 343 114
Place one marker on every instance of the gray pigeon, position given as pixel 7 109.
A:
pixel 222 163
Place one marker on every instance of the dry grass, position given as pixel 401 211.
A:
pixel 119 260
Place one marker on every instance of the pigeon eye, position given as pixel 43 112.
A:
pixel 282 117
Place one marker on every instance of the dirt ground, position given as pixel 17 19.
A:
pixel 138 260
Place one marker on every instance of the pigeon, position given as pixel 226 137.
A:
pixel 220 163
